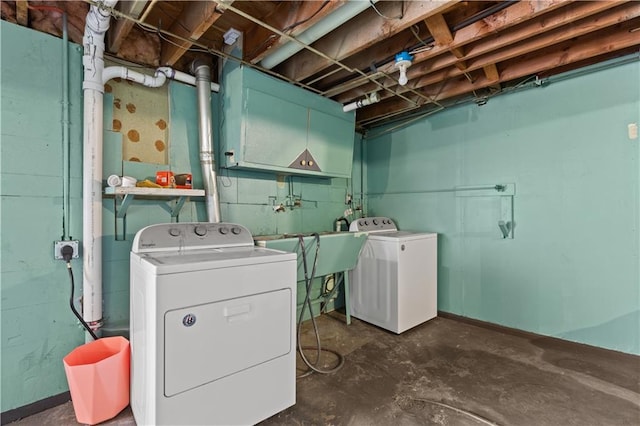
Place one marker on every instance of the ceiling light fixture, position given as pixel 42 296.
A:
pixel 403 61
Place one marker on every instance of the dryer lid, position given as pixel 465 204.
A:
pixel 177 261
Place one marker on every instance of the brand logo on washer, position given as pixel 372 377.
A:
pixel 189 320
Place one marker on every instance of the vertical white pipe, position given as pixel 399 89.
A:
pixel 207 158
pixel 97 23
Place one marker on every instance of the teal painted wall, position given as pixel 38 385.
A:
pixel 573 269
pixel 38 329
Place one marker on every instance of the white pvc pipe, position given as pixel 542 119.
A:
pixel 371 99
pixel 97 23
pixel 185 78
pixel 322 28
pixel 127 74
pixel 156 80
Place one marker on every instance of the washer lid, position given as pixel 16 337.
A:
pixel 171 262
pixel 400 235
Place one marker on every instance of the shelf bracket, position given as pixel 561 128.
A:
pixel 126 202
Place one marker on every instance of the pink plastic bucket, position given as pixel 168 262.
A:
pixel 98 377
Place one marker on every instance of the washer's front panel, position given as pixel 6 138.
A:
pixel 207 342
pixel 374 285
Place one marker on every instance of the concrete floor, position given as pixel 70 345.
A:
pixel 450 372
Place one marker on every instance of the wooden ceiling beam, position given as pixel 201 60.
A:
pixel 583 27
pixel 503 46
pixel 194 20
pixel 22 12
pixel 615 39
pixel 492 74
pixel 441 33
pixel 513 15
pixel 292 17
pixel 121 28
pixel 359 33
pixel 500 21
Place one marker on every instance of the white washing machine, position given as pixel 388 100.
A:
pixel 212 326
pixel 395 282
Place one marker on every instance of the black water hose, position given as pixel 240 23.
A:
pixel 313 367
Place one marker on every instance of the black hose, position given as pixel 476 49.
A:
pixel 307 302
pixel 73 308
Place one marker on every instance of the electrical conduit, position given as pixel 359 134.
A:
pixel 66 149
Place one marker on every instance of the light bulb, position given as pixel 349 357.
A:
pixel 402 79
pixel 402 67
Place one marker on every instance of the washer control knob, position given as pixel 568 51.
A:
pixel 366 223
pixel 174 232
pixel 235 230
pixel 361 223
pixel 375 221
pixel 223 230
pixel 200 230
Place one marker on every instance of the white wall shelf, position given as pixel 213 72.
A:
pixel 123 197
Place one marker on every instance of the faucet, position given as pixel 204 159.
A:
pixel 338 224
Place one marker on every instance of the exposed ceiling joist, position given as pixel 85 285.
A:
pixel 291 17
pixel 566 53
pixel 194 20
pixel 122 27
pixel 360 33
pixel 22 12
pixel 441 33
pixel 580 28
pixel 570 16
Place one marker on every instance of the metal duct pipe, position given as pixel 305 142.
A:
pixel 322 28
pixel 207 158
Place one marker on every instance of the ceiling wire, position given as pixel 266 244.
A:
pixel 373 6
pixel 295 24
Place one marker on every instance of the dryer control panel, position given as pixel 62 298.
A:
pixel 191 236
pixel 373 224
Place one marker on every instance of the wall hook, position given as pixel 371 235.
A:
pixel 505 228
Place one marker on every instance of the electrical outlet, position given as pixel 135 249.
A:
pixel 57 249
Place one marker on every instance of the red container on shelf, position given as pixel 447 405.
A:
pixel 165 178
pixel 183 181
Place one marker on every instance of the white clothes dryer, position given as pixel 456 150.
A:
pixel 395 282
pixel 212 326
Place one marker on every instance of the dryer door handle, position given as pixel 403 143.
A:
pixel 236 313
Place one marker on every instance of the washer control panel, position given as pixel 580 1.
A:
pixel 373 224
pixel 190 236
